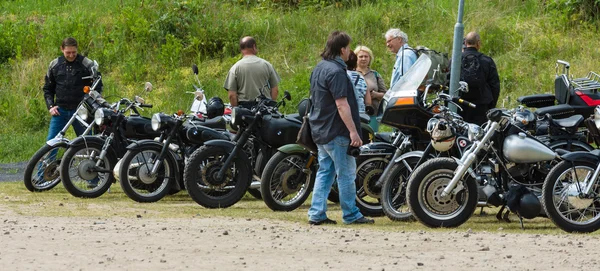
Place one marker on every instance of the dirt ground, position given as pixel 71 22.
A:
pixel 75 243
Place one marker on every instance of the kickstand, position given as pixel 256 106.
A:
pixel 521 220
pixel 482 213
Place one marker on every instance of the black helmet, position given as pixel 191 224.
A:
pixel 215 107
pixel 529 206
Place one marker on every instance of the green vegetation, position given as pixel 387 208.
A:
pixel 158 41
pixel 58 202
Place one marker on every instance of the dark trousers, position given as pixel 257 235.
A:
pixel 475 115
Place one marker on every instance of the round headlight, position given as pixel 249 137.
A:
pixel 82 112
pixel 233 113
pixel 155 122
pixel 99 117
pixel 597 117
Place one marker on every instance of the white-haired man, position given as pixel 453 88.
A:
pixel 397 42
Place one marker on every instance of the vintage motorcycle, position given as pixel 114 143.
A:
pixel 570 194
pixel 87 164
pixel 41 172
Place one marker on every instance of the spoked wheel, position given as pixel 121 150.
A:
pixel 202 183
pixel 424 193
pixel 564 198
pixel 285 183
pixel 368 196
pixel 42 171
pixel 137 179
pixel 79 173
pixel 393 191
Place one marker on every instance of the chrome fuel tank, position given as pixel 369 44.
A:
pixel 521 149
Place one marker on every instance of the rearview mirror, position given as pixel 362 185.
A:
pixel 464 87
pixel 287 95
pixel 148 86
pixel 195 69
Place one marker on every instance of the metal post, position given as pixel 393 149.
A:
pixel 459 29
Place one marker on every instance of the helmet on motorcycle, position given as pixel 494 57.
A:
pixel 529 206
pixel 442 136
pixel 215 107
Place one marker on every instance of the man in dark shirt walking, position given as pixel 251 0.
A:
pixel 334 121
pixel 480 72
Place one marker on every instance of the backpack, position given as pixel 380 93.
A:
pixel 472 73
pixel 440 65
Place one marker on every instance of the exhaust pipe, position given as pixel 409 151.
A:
pixel 255 182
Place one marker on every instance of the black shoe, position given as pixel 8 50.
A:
pixel 325 221
pixel 363 220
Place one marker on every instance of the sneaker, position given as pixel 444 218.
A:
pixel 363 220
pixel 325 221
pixel 93 183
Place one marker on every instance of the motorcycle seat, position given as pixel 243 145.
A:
pixel 384 137
pixel 537 100
pixel 364 118
pixel 556 111
pixel 294 116
pixel 216 122
pixel 570 122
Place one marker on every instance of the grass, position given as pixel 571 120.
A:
pixel 58 202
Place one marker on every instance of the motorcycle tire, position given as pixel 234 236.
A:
pixel 255 193
pixel 284 183
pixel 199 177
pixel 135 178
pixel 368 196
pixel 334 194
pixel 76 171
pixel 426 184
pixel 42 170
pixel 561 200
pixel 393 190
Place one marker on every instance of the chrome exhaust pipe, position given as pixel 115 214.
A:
pixel 483 204
pixel 255 184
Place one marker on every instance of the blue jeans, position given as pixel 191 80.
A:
pixel 334 160
pixel 57 123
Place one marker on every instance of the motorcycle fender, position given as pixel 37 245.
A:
pixel 377 149
pixel 140 143
pixel 58 141
pixel 292 148
pixel 409 154
pixel 82 140
pixel 228 145
pixel 582 156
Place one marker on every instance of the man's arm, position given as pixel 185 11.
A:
pixel 50 90
pixel 274 93
pixel 344 110
pixel 233 97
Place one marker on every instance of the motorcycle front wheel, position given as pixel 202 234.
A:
pixel 393 191
pixel 368 195
pixel 201 182
pixel 136 176
pixel 285 184
pixel 424 191
pixel 564 201
pixel 41 172
pixel 79 174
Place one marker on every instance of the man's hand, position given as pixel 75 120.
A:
pixel 54 111
pixel 355 140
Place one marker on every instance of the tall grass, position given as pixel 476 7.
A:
pixel 158 41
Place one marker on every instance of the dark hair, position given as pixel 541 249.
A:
pixel 247 43
pixel 335 42
pixel 68 42
pixel 351 62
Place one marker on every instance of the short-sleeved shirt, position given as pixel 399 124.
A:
pixel 329 82
pixel 360 89
pixel 250 76
pixel 374 83
pixel 405 58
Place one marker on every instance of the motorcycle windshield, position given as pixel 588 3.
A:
pixel 409 83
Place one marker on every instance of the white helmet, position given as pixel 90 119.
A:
pixel 442 136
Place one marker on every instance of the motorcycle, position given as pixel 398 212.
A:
pixel 570 191
pixel 41 172
pixel 87 164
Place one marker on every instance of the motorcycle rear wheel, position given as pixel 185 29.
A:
pixel 561 199
pixel 368 196
pixel 285 186
pixel 136 180
pixel 393 191
pixel 77 174
pixel 424 194
pixel 200 177
pixel 42 170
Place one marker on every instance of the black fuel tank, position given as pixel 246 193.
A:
pixel 137 127
pixel 279 131
pixel 197 134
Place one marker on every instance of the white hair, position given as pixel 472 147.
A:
pixel 396 33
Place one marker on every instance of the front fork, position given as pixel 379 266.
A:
pixel 104 151
pixel 402 147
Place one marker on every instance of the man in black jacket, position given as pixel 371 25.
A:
pixel 63 88
pixel 480 72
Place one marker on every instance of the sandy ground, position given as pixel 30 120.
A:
pixel 75 243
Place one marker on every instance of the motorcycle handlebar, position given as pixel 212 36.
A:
pixel 146 105
pixel 463 102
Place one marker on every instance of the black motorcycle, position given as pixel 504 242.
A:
pixel 86 167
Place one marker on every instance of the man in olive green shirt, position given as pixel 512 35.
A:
pixel 251 76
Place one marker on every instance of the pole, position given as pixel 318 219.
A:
pixel 459 29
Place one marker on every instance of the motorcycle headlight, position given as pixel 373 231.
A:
pixel 156 122
pixel 82 112
pixel 475 132
pixel 99 117
pixel 233 114
pixel 597 117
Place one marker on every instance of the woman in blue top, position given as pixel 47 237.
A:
pixel 363 97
